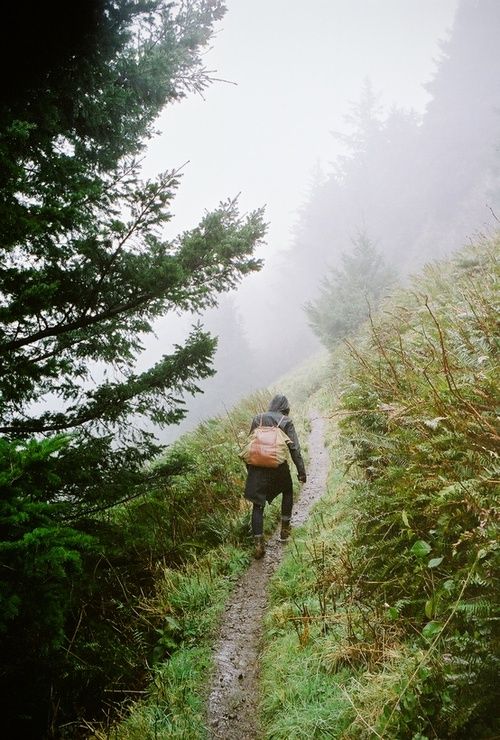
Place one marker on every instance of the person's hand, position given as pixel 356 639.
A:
pixel 302 478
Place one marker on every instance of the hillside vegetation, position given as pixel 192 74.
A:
pixel 384 615
pixel 141 651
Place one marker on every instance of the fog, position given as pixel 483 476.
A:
pixel 339 116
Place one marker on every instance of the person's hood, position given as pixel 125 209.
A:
pixel 280 404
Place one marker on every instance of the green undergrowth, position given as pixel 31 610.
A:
pixel 186 609
pixel 422 402
pixel 192 528
pixel 303 685
pixel 182 542
pixel 387 601
pixel 108 642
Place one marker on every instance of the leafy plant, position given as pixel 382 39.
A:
pixel 389 597
pixel 422 427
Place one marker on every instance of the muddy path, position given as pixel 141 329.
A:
pixel 234 694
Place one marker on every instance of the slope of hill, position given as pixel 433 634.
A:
pixel 384 618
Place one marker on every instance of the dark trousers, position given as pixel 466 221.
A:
pixel 286 512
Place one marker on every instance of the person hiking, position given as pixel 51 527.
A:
pixel 263 484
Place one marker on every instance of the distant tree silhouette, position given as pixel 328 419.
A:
pixel 348 294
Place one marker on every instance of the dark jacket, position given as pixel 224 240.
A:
pixel 264 484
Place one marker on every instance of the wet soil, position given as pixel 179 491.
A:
pixel 234 695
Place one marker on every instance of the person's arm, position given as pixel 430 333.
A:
pixel 295 453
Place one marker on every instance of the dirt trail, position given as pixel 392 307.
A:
pixel 233 699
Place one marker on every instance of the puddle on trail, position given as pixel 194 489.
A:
pixel 233 700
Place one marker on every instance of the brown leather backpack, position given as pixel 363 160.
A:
pixel 266 447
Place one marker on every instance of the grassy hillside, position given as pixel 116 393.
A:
pixel 193 532
pixel 384 615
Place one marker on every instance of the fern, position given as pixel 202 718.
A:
pixel 423 395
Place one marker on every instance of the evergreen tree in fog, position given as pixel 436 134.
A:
pixel 348 295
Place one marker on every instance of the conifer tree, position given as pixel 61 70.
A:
pixel 85 271
pixel 347 295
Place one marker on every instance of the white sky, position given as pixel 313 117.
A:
pixel 296 66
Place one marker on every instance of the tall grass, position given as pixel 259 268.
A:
pixel 301 696
pixel 404 598
pixel 185 609
pixel 423 402
pixel 178 546
pixel 191 533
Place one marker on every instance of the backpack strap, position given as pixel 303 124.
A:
pixel 279 422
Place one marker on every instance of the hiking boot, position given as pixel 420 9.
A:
pixel 285 531
pixel 259 546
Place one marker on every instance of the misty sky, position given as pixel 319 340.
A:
pixel 296 67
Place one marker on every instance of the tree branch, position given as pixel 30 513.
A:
pixel 81 323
